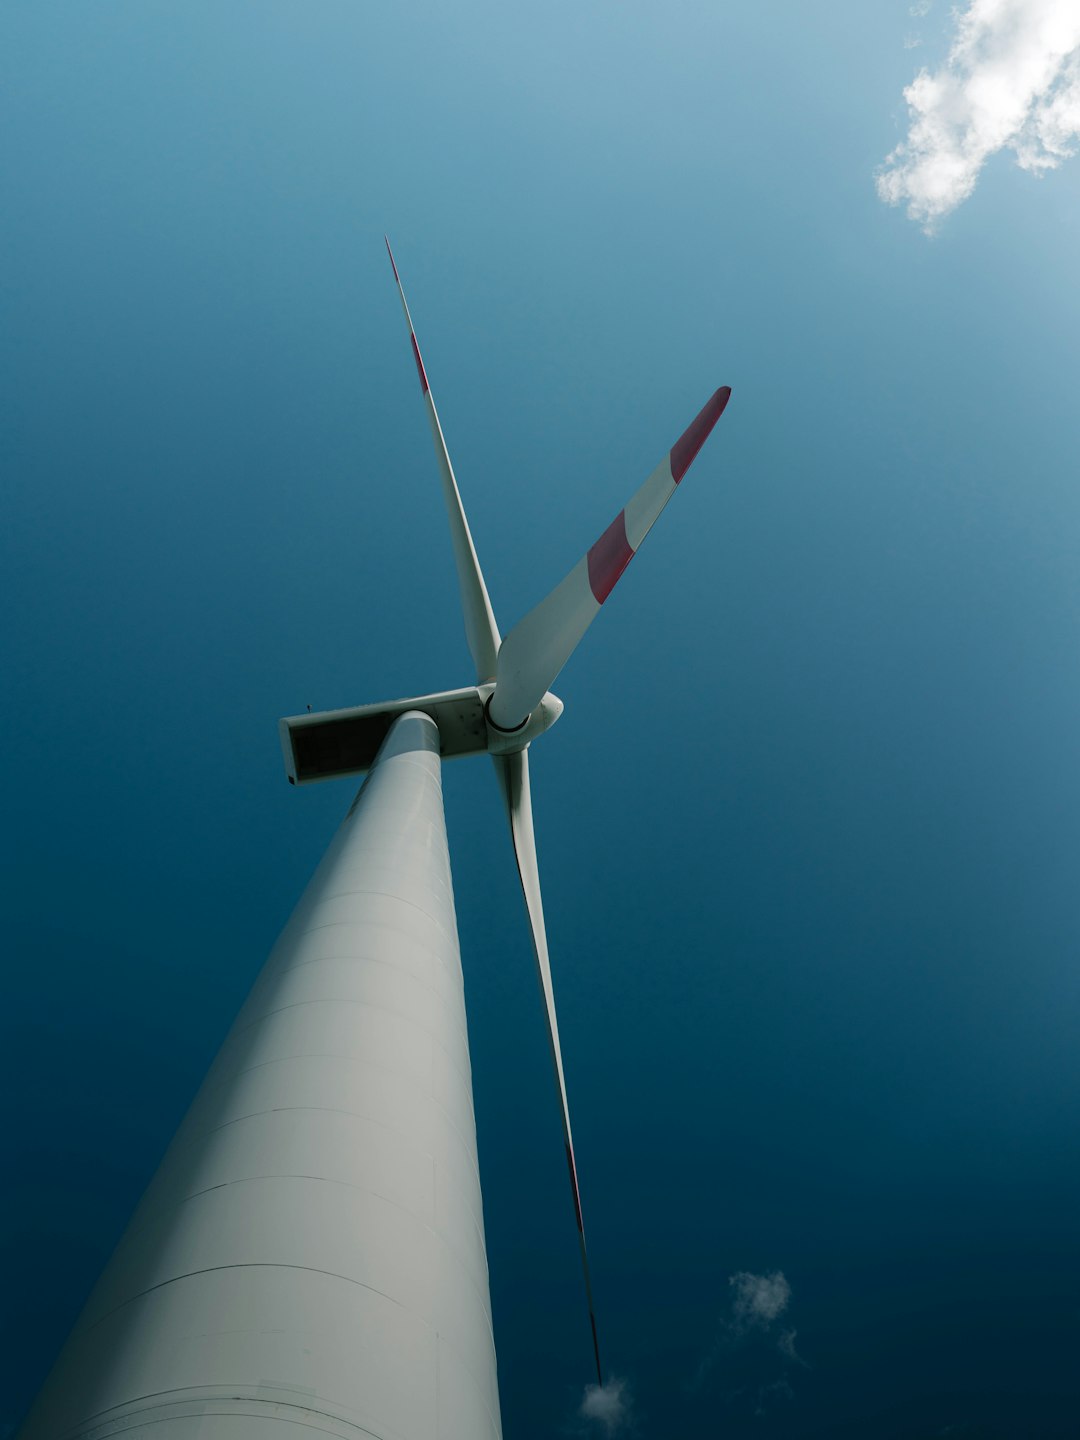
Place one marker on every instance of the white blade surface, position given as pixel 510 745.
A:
pixel 480 627
pixel 539 645
pixel 513 776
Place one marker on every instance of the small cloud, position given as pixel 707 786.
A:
pixel 920 9
pixel 750 1360
pixel 759 1299
pixel 1011 81
pixel 912 42
pixel 608 1405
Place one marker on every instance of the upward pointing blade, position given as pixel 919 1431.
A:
pixel 512 772
pixel 481 630
pixel 539 646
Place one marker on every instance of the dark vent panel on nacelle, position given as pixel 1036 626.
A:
pixel 345 742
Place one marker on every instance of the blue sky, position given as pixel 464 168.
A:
pixel 810 825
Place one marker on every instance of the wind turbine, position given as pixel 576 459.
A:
pixel 310 1254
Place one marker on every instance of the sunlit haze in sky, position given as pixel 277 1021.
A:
pixel 809 828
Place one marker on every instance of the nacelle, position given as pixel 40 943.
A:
pixel 345 742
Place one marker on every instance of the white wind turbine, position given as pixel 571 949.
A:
pixel 310 1254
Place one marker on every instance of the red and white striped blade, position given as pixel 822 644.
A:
pixel 539 646
pixel 512 772
pixel 481 630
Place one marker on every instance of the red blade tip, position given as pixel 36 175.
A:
pixel 685 449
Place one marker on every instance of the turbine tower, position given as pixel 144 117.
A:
pixel 310 1255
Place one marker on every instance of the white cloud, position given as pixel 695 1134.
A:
pixel 608 1405
pixel 751 1358
pixel 759 1299
pixel 1011 81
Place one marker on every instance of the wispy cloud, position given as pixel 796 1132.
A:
pixel 786 1345
pixel 759 1299
pixel 751 1356
pixel 1011 82
pixel 607 1405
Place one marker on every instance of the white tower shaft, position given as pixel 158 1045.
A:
pixel 310 1255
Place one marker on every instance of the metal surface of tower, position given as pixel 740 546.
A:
pixel 310 1254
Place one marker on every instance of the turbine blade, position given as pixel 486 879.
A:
pixel 481 630
pixel 539 646
pixel 512 772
